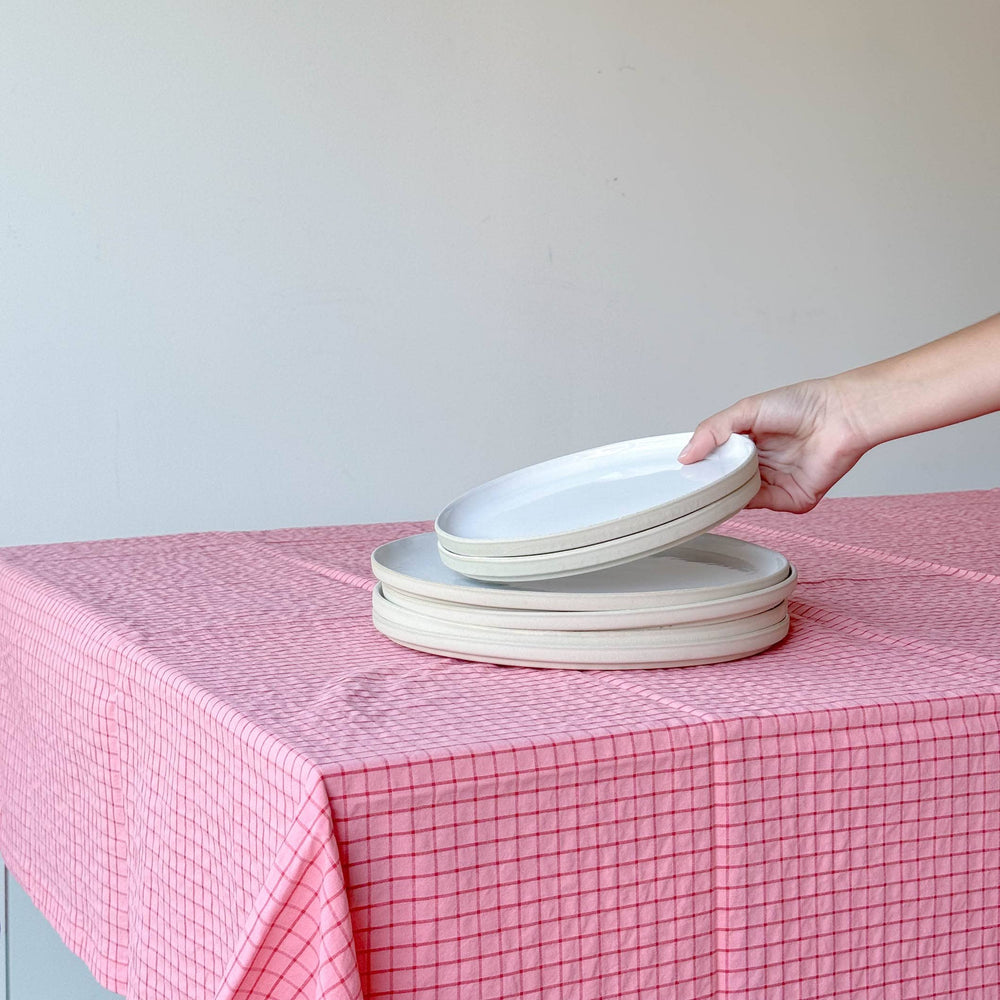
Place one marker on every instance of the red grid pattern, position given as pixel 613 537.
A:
pixel 218 781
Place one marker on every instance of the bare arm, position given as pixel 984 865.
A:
pixel 943 382
pixel 810 434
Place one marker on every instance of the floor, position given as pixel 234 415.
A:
pixel 34 963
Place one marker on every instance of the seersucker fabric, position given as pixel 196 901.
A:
pixel 218 781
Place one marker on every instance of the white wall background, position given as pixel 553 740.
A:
pixel 270 264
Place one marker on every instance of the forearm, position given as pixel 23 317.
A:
pixel 943 382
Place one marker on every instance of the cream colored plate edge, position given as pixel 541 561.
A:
pixel 681 656
pixel 739 606
pixel 516 598
pixel 595 533
pixel 659 637
pixel 550 565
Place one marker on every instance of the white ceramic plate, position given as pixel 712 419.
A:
pixel 592 496
pixel 524 653
pixel 587 558
pixel 726 608
pixel 707 568
pixel 642 638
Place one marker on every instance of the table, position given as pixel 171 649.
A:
pixel 217 781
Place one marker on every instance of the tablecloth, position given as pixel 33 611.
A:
pixel 218 781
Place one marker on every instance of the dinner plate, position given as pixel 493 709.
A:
pixel 738 606
pixel 592 496
pixel 615 551
pixel 523 653
pixel 706 569
pixel 640 638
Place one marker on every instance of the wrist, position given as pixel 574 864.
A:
pixel 851 413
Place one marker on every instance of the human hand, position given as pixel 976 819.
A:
pixel 806 438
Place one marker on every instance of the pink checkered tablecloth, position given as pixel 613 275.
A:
pixel 217 781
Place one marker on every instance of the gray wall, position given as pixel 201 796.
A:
pixel 301 263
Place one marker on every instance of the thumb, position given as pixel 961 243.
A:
pixel 715 430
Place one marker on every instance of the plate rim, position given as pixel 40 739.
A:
pixel 524 598
pixel 606 554
pixel 625 524
pixel 739 605
pixel 735 648
pixel 666 636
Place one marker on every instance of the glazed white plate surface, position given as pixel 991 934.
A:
pixel 726 608
pixel 705 569
pixel 592 496
pixel 601 555
pixel 523 652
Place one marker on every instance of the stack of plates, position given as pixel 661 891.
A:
pixel 594 509
pixel 711 599
pixel 595 560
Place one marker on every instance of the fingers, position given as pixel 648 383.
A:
pixel 774 497
pixel 771 498
pixel 715 430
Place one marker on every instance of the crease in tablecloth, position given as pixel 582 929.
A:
pixel 311 888
pixel 744 736
pixel 777 535
pixel 302 903
pixel 101 937
pixel 799 605
pixel 742 950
